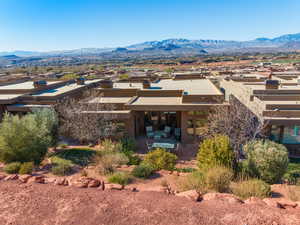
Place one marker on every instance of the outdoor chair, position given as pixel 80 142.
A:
pixel 167 131
pixel 149 131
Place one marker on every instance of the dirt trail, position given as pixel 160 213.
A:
pixel 45 204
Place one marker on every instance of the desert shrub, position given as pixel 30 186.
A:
pixel 266 160
pixel 161 159
pixel 106 163
pixel 13 167
pixel 121 178
pixel 143 170
pixel 27 138
pixel 61 167
pixel 215 151
pixel 26 168
pixel 194 181
pixel 251 188
pixel 185 170
pixel 218 178
pixel 128 148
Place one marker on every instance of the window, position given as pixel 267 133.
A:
pixel 291 135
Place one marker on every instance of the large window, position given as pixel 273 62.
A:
pixel 291 135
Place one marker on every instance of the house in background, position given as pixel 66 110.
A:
pixel 276 101
pixel 164 109
pixel 21 97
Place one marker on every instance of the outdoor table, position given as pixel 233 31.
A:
pixel 163 145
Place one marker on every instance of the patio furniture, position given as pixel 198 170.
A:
pixel 167 131
pixel 164 145
pixel 149 131
pixel 177 133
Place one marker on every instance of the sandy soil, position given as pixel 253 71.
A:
pixel 42 204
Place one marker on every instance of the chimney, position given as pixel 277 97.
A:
pixel 272 84
pixel 39 84
pixel 80 81
pixel 106 83
pixel 146 84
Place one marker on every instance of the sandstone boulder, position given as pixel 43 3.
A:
pixel 223 197
pixel 24 178
pixel 255 200
pixel 11 177
pixel 285 203
pixel 272 202
pixel 94 183
pixel 2 176
pixel 191 194
pixel 37 179
pixel 115 187
pixel 61 181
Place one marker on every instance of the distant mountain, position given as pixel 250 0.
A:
pixel 164 48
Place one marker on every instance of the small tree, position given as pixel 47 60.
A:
pixel 215 151
pixel 25 139
pixel 266 159
pixel 86 120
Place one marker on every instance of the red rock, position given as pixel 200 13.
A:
pixel 61 181
pixel 191 194
pixel 287 204
pixel 255 200
pixel 11 177
pixel 50 180
pixel 82 182
pixel 24 178
pixel 94 183
pixel 2 176
pixel 222 196
pixel 115 186
pixel 37 179
pixel 272 202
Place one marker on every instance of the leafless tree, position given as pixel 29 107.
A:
pixel 237 122
pixel 85 119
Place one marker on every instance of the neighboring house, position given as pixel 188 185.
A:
pixel 167 108
pixel 22 97
pixel 276 102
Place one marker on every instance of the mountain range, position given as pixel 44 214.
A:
pixel 174 47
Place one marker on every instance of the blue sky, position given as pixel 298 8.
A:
pixel 43 25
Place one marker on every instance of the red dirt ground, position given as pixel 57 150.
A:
pixel 43 204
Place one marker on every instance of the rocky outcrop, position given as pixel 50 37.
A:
pixel 191 194
pixel 223 197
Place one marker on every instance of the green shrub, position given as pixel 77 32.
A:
pixel 215 151
pixel 121 178
pixel 128 148
pixel 26 168
pixel 61 167
pixel 185 170
pixel 143 170
pixel 194 181
pixel 266 160
pixel 27 138
pixel 161 159
pixel 218 179
pixel 251 188
pixel 12 168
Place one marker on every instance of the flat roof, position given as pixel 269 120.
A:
pixel 9 96
pixel 111 100
pixel 157 101
pixel 28 85
pixel 190 87
pixel 63 89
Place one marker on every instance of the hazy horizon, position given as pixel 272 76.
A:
pixel 47 25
